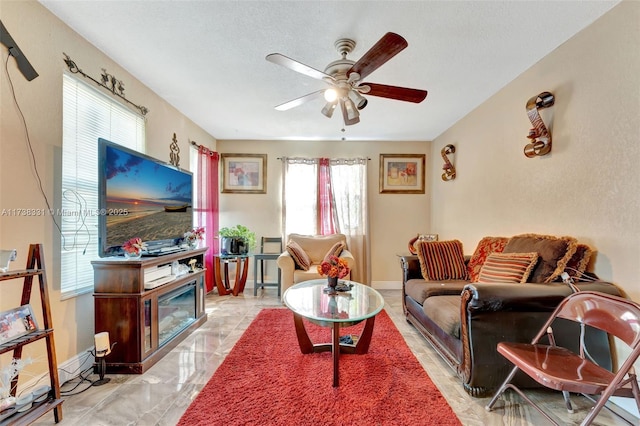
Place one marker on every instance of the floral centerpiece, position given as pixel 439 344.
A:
pixel 133 247
pixel 192 237
pixel 334 268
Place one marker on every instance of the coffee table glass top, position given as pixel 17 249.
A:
pixel 308 299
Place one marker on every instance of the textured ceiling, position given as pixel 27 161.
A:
pixel 207 58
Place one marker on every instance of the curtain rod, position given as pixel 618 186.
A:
pixel 280 158
pixel 196 146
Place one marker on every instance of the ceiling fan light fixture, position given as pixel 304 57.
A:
pixel 328 109
pixel 330 95
pixel 359 100
pixel 352 111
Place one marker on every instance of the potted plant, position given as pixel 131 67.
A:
pixel 236 240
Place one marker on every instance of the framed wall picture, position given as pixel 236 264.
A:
pixel 244 173
pixel 402 173
pixel 16 322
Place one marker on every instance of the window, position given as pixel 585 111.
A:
pixel 300 206
pixel 86 116
pixel 322 196
pixel 347 195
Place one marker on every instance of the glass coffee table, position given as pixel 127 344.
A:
pixel 308 300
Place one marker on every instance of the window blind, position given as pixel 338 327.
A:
pixel 87 115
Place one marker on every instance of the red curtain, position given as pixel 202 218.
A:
pixel 326 211
pixel 206 207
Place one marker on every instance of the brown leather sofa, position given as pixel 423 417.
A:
pixel 464 321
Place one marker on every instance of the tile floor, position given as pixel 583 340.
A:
pixel 161 395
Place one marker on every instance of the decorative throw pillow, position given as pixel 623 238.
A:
pixel 553 253
pixel 579 261
pixel 441 260
pixel 316 246
pixel 299 256
pixel 335 250
pixel 507 267
pixel 486 246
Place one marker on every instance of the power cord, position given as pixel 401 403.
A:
pixel 46 376
pixel 70 392
pixel 79 199
pixel 34 163
pixel 579 275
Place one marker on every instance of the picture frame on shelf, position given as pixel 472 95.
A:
pixel 16 323
pixel 402 173
pixel 244 173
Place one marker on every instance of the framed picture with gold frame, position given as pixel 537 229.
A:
pixel 244 173
pixel 402 173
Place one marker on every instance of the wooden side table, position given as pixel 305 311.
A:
pixel 242 268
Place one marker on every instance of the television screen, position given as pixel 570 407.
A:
pixel 141 197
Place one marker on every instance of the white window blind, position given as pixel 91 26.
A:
pixel 87 115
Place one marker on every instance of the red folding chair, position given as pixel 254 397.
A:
pixel 558 368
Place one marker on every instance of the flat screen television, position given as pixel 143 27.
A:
pixel 140 196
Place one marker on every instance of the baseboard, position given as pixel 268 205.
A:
pixel 74 366
pixel 66 371
pixel 386 285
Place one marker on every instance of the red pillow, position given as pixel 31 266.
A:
pixel 486 246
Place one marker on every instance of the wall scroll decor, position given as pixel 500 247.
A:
pixel 244 173
pixel 174 152
pixel 402 173
pixel 449 170
pixel 109 82
pixel 539 135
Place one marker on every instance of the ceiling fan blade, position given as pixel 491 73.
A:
pixel 398 93
pixel 299 101
pixel 296 66
pixel 386 48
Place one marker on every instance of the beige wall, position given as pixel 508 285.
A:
pixel 43 38
pixel 393 218
pixel 589 185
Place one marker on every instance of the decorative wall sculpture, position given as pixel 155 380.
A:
pixel 449 169
pixel 174 152
pixel 539 135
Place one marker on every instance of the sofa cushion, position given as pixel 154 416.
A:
pixel 300 275
pixel 419 290
pixel 317 246
pixel 299 256
pixel 553 252
pixel 445 312
pixel 335 250
pixel 485 247
pixel 441 260
pixel 578 263
pixel 508 267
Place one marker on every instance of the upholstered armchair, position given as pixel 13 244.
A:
pixel 313 249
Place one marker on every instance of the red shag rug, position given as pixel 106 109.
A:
pixel 266 380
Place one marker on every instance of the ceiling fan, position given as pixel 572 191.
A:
pixel 344 77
